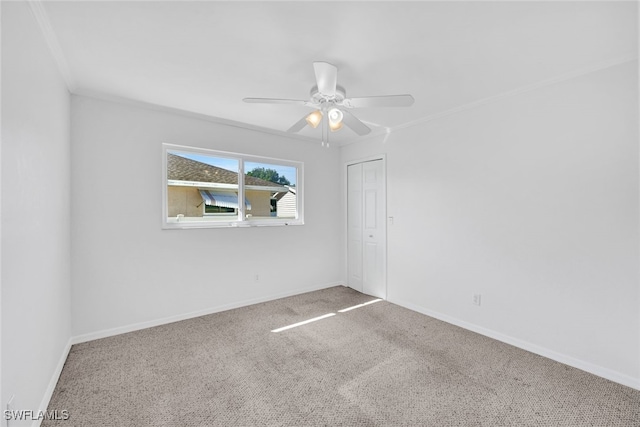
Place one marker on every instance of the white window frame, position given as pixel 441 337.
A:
pixel 240 220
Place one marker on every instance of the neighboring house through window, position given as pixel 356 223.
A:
pixel 202 189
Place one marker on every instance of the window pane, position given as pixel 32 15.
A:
pixel 271 190
pixel 201 187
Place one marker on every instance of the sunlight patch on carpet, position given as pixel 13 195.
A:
pixel 304 322
pixel 344 310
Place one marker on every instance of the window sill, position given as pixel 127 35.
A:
pixel 223 224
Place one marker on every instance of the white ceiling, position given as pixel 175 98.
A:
pixel 205 57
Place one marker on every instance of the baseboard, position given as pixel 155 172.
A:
pixel 44 404
pixel 533 348
pixel 163 321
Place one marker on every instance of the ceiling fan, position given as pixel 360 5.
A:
pixel 329 99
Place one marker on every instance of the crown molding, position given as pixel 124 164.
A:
pixel 189 114
pixel 603 65
pixel 39 12
pixel 521 90
pixel 382 131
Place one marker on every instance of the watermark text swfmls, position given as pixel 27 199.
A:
pixel 29 415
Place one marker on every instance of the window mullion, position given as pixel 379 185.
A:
pixel 241 206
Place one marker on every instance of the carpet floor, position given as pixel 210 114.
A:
pixel 377 365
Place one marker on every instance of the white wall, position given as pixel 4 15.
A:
pixel 532 202
pixel 36 313
pixel 128 272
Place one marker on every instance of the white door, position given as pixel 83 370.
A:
pixel 366 234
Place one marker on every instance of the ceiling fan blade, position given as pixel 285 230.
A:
pixel 379 101
pixel 355 124
pixel 298 126
pixel 326 78
pixel 275 101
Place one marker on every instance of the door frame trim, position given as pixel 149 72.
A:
pixel 345 203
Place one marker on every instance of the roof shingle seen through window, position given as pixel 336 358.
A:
pixel 183 169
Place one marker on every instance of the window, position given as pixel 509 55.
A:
pixel 279 204
pixel 218 210
pixel 202 188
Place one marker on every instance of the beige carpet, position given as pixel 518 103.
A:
pixel 376 365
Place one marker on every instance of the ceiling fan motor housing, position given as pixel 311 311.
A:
pixel 320 98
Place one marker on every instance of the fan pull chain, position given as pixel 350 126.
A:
pixel 325 131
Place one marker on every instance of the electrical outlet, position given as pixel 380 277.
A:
pixel 477 299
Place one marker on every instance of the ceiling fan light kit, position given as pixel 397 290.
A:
pixel 328 98
pixel 314 118
pixel 335 119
